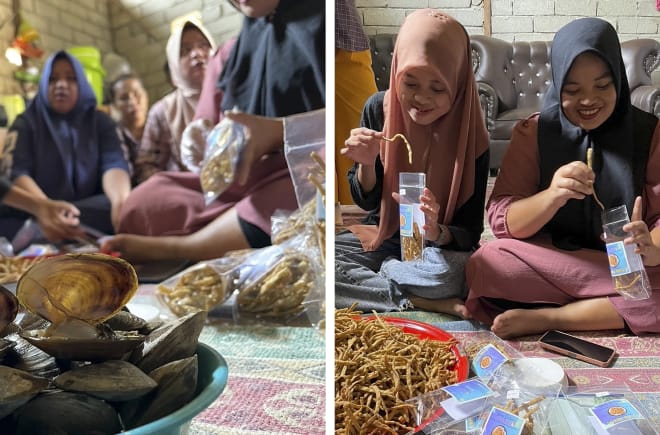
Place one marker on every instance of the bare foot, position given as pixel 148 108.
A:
pixel 519 322
pixel 453 306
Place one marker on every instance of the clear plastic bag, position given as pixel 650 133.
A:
pixel 592 410
pixel 193 144
pixel 224 145
pixel 515 404
pixel 202 286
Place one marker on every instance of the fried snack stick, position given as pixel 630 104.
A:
pixel 527 409
pixel 590 161
pixel 11 268
pixel 198 289
pixel 393 138
pixel 377 368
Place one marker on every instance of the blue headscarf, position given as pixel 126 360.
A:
pixel 66 154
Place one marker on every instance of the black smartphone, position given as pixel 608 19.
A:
pixel 577 348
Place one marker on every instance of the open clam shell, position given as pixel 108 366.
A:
pixel 8 308
pixel 89 287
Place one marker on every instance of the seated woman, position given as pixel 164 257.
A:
pixel 131 101
pixel 548 268
pixel 432 100
pixel 275 70
pixel 57 219
pixel 62 148
pixel 188 50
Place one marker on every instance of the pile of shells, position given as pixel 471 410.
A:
pixel 76 361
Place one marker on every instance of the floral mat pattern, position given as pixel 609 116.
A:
pixel 276 381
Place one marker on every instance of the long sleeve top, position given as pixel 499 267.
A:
pixel 467 224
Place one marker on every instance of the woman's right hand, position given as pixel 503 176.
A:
pixel 572 181
pixel 58 220
pixel 363 146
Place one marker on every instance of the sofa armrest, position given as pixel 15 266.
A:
pixel 489 104
pixel 647 98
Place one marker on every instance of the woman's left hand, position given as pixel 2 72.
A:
pixel 641 236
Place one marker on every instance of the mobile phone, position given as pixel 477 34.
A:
pixel 577 348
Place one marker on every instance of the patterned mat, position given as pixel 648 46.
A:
pixel 637 366
pixel 276 381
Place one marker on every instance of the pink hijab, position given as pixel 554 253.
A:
pixel 446 149
pixel 181 103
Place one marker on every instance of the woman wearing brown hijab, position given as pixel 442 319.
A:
pixel 432 100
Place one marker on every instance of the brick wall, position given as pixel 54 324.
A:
pixel 134 29
pixel 520 19
pixel 140 29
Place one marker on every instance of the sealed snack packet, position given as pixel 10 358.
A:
pixel 224 145
pixel 598 409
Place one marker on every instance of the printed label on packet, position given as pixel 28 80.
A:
pixel 487 361
pixel 614 412
pixel 468 398
pixel 500 422
pixel 616 254
pixel 406 219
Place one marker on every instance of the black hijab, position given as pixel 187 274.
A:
pixel 277 65
pixel 620 145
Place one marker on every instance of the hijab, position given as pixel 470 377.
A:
pixel 277 65
pixel 619 152
pixel 72 135
pixel 181 103
pixel 446 149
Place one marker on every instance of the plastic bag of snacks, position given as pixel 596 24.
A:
pixel 486 352
pixel 600 410
pixel 448 409
pixel 193 144
pixel 518 404
pixel 202 286
pixel 224 145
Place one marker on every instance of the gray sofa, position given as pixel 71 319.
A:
pixel 512 78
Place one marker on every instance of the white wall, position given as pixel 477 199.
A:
pixel 520 19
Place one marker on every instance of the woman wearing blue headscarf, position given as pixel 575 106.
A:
pixel 62 148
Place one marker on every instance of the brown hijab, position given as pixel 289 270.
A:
pixel 446 149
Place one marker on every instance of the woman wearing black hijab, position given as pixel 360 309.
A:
pixel 548 268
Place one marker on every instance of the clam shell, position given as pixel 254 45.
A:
pixel 83 349
pixel 110 380
pixel 18 388
pixel 8 308
pixel 89 287
pixel 62 412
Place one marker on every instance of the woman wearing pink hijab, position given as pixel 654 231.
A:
pixel 432 100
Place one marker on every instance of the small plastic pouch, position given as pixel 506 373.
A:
pixel 626 266
pixel 451 409
pixel 411 217
pixel 516 406
pixel 486 352
pixel 202 286
pixel 595 410
pixel 224 145
pixel 193 144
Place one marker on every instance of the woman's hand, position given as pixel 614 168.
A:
pixel 572 181
pixel 641 236
pixel 429 206
pixel 363 146
pixel 263 136
pixel 58 220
